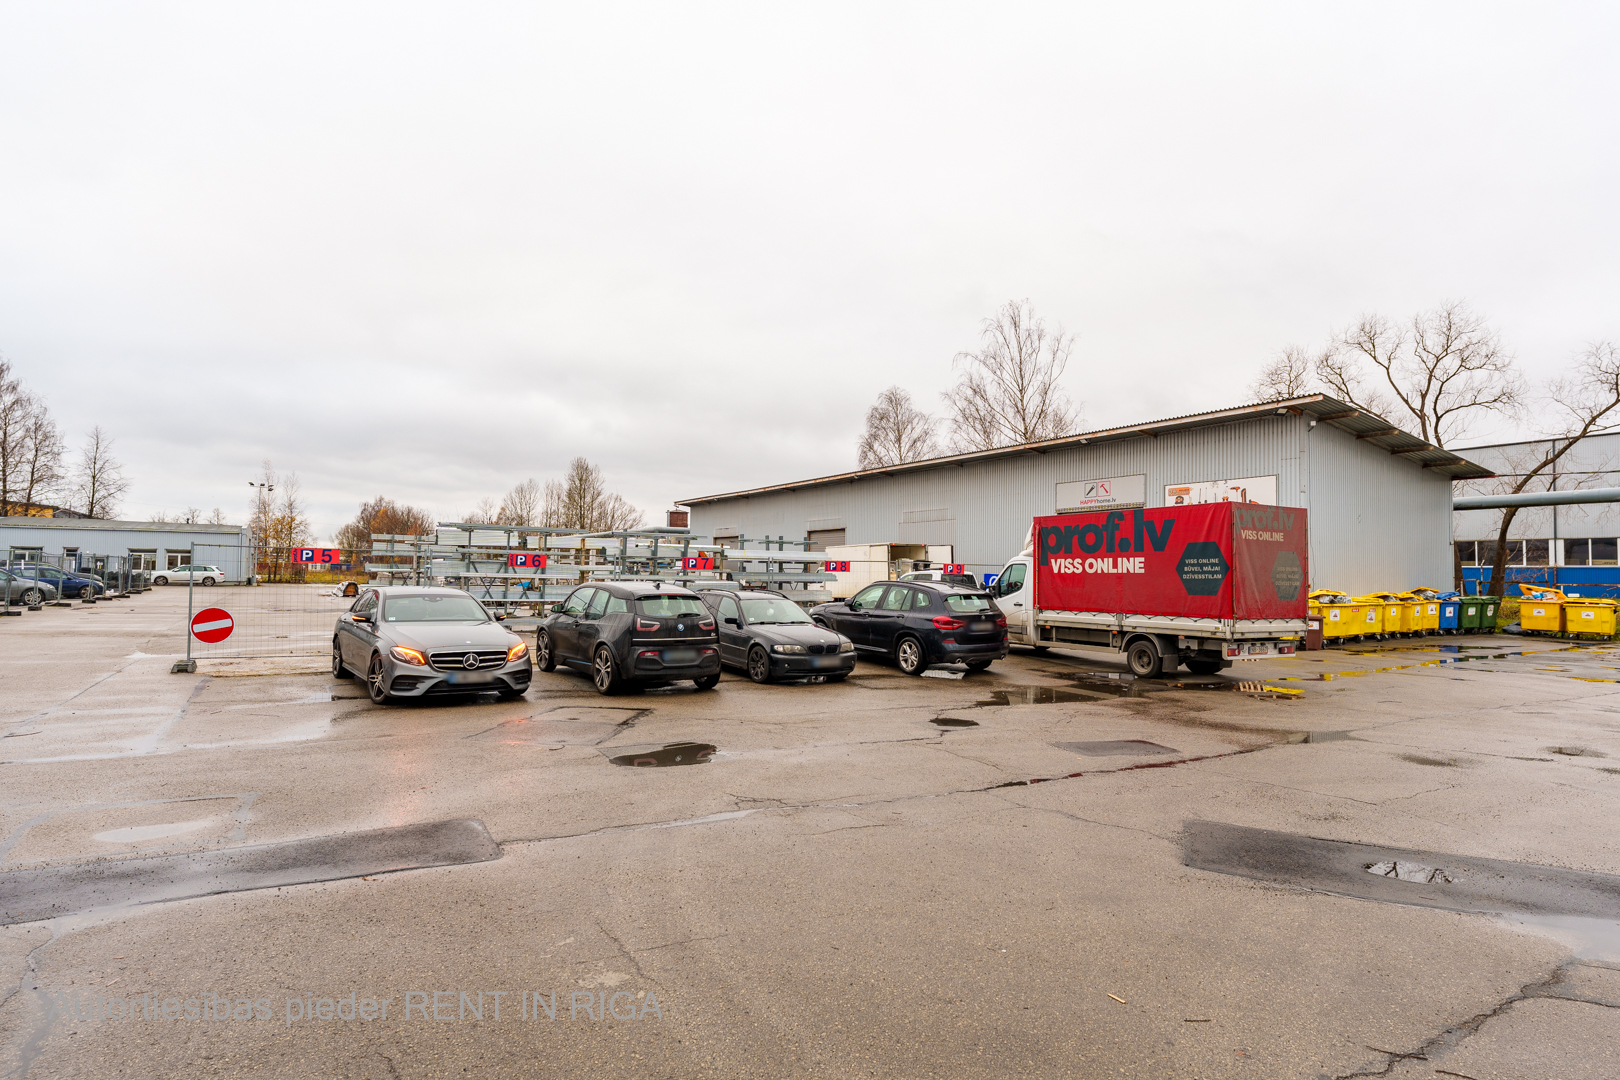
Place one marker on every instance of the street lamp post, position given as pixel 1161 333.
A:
pixel 264 489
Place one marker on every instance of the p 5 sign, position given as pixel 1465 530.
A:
pixel 525 560
pixel 835 567
pixel 324 556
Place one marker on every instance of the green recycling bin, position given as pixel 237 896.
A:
pixel 1489 605
pixel 1471 618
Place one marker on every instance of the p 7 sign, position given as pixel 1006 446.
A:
pixel 324 556
pixel 698 562
pixel 525 560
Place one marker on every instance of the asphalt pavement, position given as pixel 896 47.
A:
pixel 1046 869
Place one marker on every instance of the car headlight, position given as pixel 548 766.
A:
pixel 788 648
pixel 407 656
pixel 848 646
pixel 517 652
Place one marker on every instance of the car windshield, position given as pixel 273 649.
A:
pixel 398 609
pixel 670 606
pixel 774 610
pixel 967 604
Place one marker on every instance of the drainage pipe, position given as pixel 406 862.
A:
pixel 1536 498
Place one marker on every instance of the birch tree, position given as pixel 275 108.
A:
pixel 1008 391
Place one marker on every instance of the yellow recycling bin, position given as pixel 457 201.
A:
pixel 1338 614
pixel 1371 617
pixel 1398 612
pixel 1582 616
pixel 1425 610
pixel 1541 610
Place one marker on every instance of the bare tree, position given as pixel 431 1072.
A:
pixel 1008 391
pixel 1287 376
pixel 485 513
pixel 99 483
pixel 897 431
pixel 522 505
pixel 581 501
pixel 1584 399
pixel 16 411
pixel 216 516
pixel 386 517
pixel 1436 376
pixel 287 528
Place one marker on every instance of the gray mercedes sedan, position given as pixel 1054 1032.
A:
pixel 411 642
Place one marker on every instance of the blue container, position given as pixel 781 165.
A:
pixel 1450 607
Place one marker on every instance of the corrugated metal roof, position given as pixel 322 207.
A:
pixel 1365 426
pixel 93 524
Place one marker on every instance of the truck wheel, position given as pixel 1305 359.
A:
pixel 1204 667
pixel 1143 659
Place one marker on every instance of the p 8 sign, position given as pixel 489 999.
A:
pixel 954 568
pixel 698 562
pixel 525 560
pixel 323 556
pixel 831 567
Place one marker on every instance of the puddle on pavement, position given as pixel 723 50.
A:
pixel 134 833
pixel 1034 695
pixel 1575 751
pixel 653 757
pixel 1591 939
pixel 953 721
pixel 1116 748
pixel 1411 871
pixel 1439 763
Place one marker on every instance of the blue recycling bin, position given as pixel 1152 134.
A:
pixel 1450 607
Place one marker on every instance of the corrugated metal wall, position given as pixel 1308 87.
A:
pixel 984 508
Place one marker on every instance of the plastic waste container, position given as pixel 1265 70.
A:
pixel 1450 613
pixel 1585 616
pixel 1541 610
pixel 1372 617
pixel 1425 610
pixel 1339 615
pixel 1398 613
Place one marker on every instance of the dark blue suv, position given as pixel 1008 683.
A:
pixel 66 582
pixel 920 623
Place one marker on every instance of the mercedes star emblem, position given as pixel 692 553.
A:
pixel 470 661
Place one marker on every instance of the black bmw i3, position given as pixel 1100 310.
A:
pixel 631 633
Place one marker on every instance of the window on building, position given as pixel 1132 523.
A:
pixel 141 560
pixel 1535 552
pixel 1487 552
pixel 1598 552
pixel 176 558
pixel 1466 554
pixel 1577 552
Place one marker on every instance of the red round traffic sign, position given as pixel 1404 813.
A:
pixel 212 625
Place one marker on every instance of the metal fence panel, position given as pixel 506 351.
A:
pixel 282 619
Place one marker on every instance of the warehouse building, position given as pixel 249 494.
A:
pixel 1379 499
pixel 1569 546
pixel 150 545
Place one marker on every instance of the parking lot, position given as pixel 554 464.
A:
pixel 1044 869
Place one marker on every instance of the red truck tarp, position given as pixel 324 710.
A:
pixel 1209 561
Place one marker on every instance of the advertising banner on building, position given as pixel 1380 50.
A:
pixel 1214 561
pixel 1077 496
pixel 1261 490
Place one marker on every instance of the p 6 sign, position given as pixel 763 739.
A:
pixel 525 560
pixel 831 567
pixel 698 562
pixel 323 556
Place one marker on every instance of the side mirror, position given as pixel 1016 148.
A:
pixel 732 622
pixel 854 605
pixel 360 616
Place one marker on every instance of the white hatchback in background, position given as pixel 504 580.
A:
pixel 179 575
pixel 964 581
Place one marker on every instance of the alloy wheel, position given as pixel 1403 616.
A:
pixel 542 653
pixel 375 681
pixel 910 656
pixel 759 665
pixel 338 670
pixel 602 671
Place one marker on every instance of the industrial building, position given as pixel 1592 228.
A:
pixel 150 545
pixel 1569 546
pixel 1378 498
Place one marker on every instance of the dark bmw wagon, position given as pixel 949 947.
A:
pixel 631 633
pixel 920 623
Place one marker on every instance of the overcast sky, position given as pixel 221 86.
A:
pixel 430 251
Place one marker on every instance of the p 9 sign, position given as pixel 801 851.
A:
pixel 835 567
pixel 526 560
pixel 954 568
pixel 322 556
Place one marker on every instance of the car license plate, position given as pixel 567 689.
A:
pixel 983 627
pixel 824 661
pixel 458 678
pixel 680 656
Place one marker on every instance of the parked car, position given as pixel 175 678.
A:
pixel 630 634
pixel 26 591
pixel 770 637
pixel 920 623
pixel 964 580
pixel 410 642
pixel 180 575
pixel 66 582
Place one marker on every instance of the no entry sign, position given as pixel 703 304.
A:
pixel 212 625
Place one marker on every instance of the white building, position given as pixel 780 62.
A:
pixel 150 545
pixel 1379 499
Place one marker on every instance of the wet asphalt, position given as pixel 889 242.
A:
pixel 1047 869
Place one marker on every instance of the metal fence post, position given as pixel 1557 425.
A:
pixel 5 606
pixel 188 665
pixel 39 593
